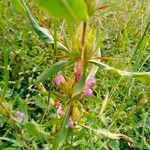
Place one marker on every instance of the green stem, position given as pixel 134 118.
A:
pixel 83 39
pixel 6 74
pixel 55 38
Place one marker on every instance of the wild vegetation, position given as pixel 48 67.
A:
pixel 74 74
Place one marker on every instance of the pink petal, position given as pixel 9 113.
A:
pixel 88 92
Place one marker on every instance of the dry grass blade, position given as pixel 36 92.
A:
pixel 109 134
pixel 103 7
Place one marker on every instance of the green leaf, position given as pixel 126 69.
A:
pixel 113 144
pixel 54 121
pixel 62 135
pixel 78 87
pixel 71 10
pixel 91 119
pixel 141 76
pixel 36 130
pixel 52 70
pixel 43 33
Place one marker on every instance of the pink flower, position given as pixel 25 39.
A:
pixel 87 88
pixel 59 79
pixel 20 115
pixel 78 76
pixel 71 124
pixel 90 82
pixel 88 92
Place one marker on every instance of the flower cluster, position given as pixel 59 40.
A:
pixel 59 79
pixel 87 88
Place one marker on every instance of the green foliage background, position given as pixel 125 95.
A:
pixel 23 57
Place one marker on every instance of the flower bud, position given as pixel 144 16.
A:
pixel 88 92
pixel 59 79
pixel 90 81
pixel 70 123
pixel 20 115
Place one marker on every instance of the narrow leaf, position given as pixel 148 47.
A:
pixel 141 76
pixel 52 70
